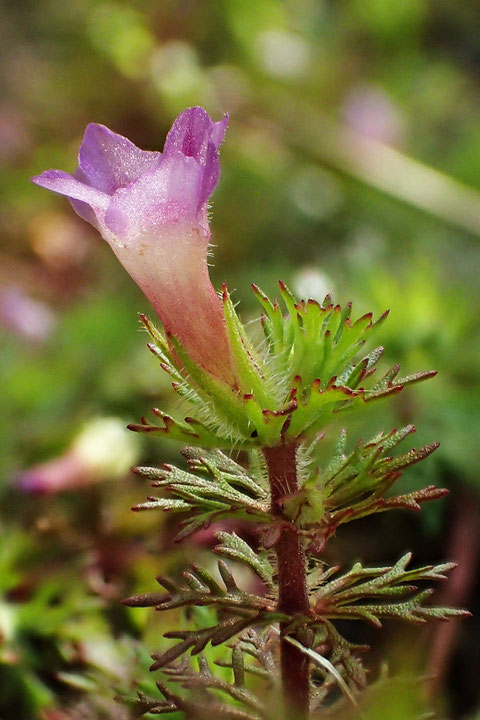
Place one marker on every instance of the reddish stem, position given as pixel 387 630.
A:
pixel 292 584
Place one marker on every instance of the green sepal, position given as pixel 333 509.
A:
pixel 274 321
pixel 190 431
pixel 226 401
pixel 251 375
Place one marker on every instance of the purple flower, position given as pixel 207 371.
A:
pixel 151 208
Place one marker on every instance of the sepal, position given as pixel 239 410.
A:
pixel 189 431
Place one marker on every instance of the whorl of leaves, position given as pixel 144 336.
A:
pixel 309 373
pixel 349 486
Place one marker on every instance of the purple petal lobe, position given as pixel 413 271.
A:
pixel 195 135
pixel 86 212
pixel 107 161
pixel 218 132
pixel 211 174
pixel 190 134
pixel 63 183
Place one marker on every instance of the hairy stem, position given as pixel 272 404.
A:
pixel 292 586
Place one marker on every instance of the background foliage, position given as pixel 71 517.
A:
pixel 351 166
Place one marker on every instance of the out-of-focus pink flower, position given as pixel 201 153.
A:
pixel 63 473
pixel 151 207
pixel 371 112
pixel 102 450
pixel 25 316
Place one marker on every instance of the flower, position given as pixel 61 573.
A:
pixel 102 450
pixel 151 207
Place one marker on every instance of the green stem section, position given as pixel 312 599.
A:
pixel 292 585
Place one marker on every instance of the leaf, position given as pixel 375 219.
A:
pixel 354 485
pixel 197 640
pixel 232 546
pixel 201 589
pixel 193 706
pixel 344 654
pixel 217 487
pixel 205 680
pixel 344 597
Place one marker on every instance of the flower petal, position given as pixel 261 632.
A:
pixel 65 184
pixel 192 131
pixel 190 134
pixel 87 202
pixel 195 135
pixel 107 161
pixel 218 131
pixel 170 194
pixel 211 174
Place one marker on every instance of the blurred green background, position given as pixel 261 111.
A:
pixel 351 165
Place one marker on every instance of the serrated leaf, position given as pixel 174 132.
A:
pixel 226 400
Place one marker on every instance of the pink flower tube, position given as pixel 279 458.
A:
pixel 151 208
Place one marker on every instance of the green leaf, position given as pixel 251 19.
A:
pixel 200 589
pixel 344 597
pixel 217 486
pixel 234 547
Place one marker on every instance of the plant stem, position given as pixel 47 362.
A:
pixel 292 583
